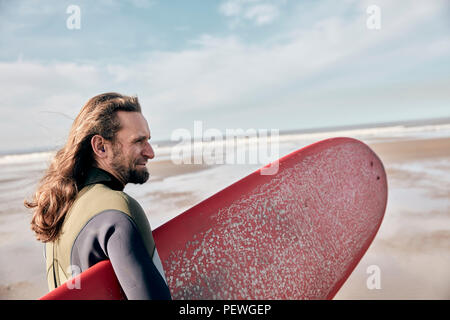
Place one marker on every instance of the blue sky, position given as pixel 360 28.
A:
pixel 262 64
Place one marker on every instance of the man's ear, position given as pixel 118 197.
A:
pixel 98 144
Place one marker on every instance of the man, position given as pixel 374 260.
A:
pixel 81 211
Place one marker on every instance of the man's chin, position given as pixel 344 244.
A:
pixel 139 176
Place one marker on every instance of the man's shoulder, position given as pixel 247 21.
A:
pixel 99 197
pixel 103 199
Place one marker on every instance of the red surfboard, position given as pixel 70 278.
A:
pixel 99 282
pixel 297 234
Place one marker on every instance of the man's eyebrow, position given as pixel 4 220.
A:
pixel 141 138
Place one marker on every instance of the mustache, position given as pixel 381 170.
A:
pixel 142 161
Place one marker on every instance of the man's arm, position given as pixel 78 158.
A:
pixel 113 235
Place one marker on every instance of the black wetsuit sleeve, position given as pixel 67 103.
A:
pixel 113 235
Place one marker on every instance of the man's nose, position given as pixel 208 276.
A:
pixel 148 151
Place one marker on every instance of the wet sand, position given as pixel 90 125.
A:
pixel 412 248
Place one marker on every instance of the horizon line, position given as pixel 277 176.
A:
pixel 407 123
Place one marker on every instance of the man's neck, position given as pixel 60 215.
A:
pixel 113 173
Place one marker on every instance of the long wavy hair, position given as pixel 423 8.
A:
pixel 58 189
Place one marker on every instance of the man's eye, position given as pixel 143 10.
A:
pixel 140 141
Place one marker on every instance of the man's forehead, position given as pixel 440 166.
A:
pixel 133 124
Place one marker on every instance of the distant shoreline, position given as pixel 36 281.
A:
pixel 406 124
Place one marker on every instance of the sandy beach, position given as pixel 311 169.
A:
pixel 412 248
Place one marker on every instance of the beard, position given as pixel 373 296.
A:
pixel 127 169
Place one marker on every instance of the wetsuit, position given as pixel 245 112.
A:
pixel 106 223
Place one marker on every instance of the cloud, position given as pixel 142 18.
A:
pixel 223 70
pixel 230 8
pixel 42 98
pixel 257 12
pixel 218 71
pixel 25 83
pixel 141 4
pixel 262 14
pixel 229 72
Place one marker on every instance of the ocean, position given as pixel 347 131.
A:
pixel 20 173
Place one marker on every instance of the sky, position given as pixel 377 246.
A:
pixel 248 64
